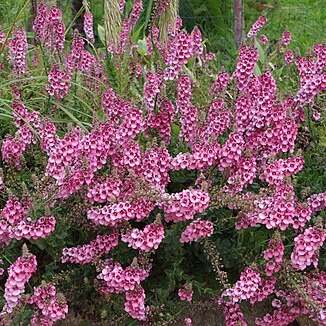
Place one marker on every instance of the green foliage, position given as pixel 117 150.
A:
pixel 303 18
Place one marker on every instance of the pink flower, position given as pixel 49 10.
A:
pixel 188 321
pixel 184 205
pixel 245 67
pixel 186 293
pixel 288 57
pixel 263 39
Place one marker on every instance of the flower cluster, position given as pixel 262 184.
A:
pixel 231 151
pixel 49 28
pixel 162 120
pixel 88 25
pixel 50 306
pixel 275 173
pixel 123 211
pixel 103 192
pixel 246 63
pixel 285 313
pixel 197 230
pixel 151 89
pixel 147 239
pixel 263 39
pixel 286 38
pixel 17 52
pixel 274 256
pixel 135 303
pixel 256 27
pixel 59 83
pixel 186 293
pixel 117 279
pixel 232 313
pixel 184 205
pixel 180 51
pixel 161 6
pixel 29 229
pixel 188 112
pixel 79 58
pixel 221 82
pixel 288 57
pixel 151 121
pixel 267 288
pixel 305 248
pixel 317 202
pixel 243 173
pixel 246 288
pixel 19 274
pixel 87 253
pixel 276 211
pixel 15 223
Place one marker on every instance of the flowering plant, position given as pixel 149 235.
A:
pixel 100 191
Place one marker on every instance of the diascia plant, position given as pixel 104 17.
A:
pixel 138 114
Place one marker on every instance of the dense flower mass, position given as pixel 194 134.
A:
pixel 162 149
pixel 243 73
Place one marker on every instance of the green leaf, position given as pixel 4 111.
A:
pixel 257 71
pixel 101 33
pixel 142 48
pixel 136 32
pixel 261 52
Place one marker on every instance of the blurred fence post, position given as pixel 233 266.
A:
pixel 77 5
pixel 238 21
pixel 30 21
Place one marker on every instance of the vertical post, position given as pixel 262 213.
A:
pixel 30 21
pixel 238 21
